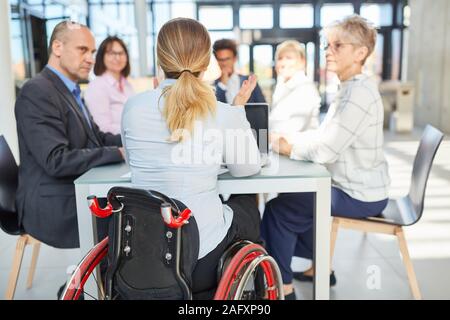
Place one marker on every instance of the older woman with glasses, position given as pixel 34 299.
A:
pixel 108 92
pixel 349 142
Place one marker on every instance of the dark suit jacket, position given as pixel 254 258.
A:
pixel 257 95
pixel 56 146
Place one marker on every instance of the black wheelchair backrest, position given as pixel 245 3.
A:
pixel 146 258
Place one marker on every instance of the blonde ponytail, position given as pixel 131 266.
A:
pixel 184 50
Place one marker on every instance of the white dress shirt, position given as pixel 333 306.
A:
pixel 231 88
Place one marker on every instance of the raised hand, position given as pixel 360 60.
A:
pixel 245 91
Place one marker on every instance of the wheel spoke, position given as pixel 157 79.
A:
pixel 84 292
pixel 99 286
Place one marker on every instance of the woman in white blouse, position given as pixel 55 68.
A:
pixel 175 139
pixel 349 142
pixel 296 101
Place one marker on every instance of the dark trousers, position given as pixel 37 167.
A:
pixel 287 224
pixel 245 226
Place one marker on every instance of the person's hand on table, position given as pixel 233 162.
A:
pixel 245 92
pixel 273 136
pixel 280 144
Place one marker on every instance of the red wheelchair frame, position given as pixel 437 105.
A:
pixel 234 274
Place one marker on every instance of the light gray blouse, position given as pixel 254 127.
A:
pixel 188 170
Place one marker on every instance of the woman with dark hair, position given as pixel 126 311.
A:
pixel 108 92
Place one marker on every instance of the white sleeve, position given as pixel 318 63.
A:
pixel 240 150
pixel 325 144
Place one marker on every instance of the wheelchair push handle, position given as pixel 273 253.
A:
pixel 170 220
pixel 166 212
pixel 99 212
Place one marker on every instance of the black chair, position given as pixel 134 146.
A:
pixel 402 212
pixel 9 218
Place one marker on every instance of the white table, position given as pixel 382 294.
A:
pixel 283 175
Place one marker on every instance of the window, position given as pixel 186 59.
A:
pixel 256 17
pixel 396 47
pixel 17 50
pixel 97 25
pixel 310 55
pixel 150 54
pixel 332 12
pixel 126 15
pixel 296 16
pixel 374 63
pixel 244 58
pixel 161 14
pixel 379 14
pixel 216 18
pixel 184 10
pixel 406 16
pixel 216 35
pixel 263 68
pixel 50 25
pixel 54 11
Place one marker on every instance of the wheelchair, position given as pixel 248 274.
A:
pixel 151 249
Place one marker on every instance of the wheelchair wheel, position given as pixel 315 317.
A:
pixel 242 268
pixel 74 289
pixel 233 284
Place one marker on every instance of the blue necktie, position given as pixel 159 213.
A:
pixel 77 93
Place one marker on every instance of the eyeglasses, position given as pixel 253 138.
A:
pixel 335 47
pixel 118 54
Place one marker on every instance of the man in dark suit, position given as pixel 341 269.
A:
pixel 229 83
pixel 58 139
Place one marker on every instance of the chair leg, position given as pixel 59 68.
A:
pixel 36 248
pixel 17 261
pixel 334 231
pixel 408 264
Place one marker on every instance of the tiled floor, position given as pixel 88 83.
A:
pixel 366 266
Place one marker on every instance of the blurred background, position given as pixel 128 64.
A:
pixel 411 62
pixel 258 27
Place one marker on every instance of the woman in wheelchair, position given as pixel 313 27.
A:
pixel 176 137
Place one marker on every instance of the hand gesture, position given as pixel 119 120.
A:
pixel 246 91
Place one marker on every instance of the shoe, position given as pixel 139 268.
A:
pixel 300 276
pixel 290 296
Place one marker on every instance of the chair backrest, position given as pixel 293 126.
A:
pixel 147 259
pixel 429 144
pixel 8 178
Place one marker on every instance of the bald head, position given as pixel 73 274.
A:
pixel 62 31
pixel 72 47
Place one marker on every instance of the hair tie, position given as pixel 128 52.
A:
pixel 185 71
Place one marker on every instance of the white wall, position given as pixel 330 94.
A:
pixel 7 95
pixel 429 61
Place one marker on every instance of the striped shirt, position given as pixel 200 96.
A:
pixel 349 141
